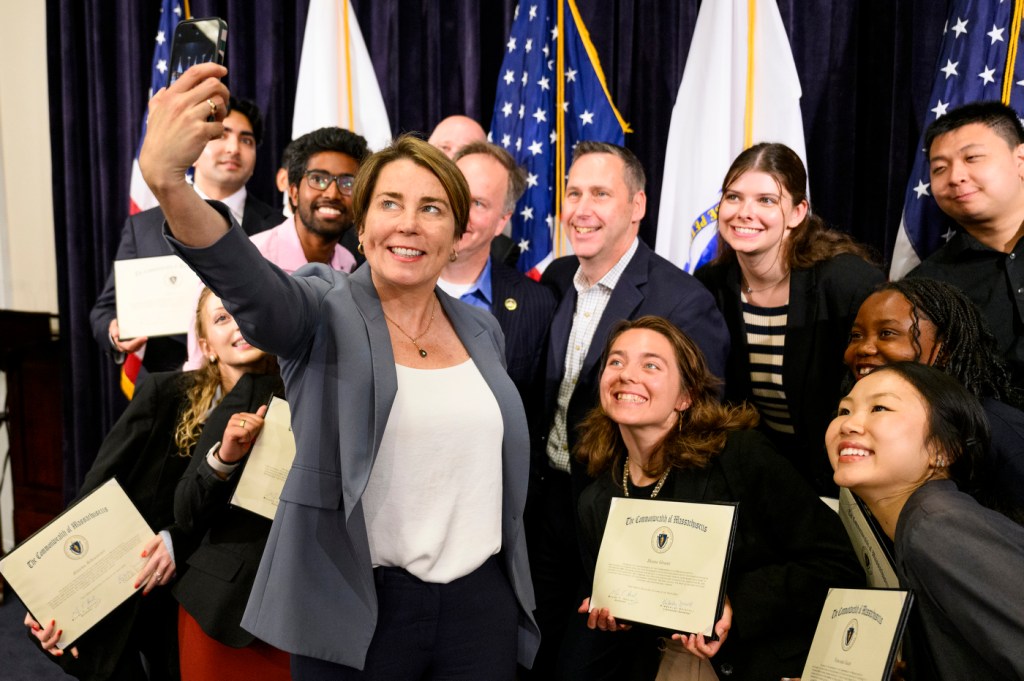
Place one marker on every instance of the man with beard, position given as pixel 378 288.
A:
pixel 221 172
pixel 321 173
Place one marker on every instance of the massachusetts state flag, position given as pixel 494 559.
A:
pixel 740 87
pixel 337 85
pixel 171 12
pixel 979 60
pixel 551 95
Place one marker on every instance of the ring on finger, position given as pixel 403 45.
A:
pixel 241 424
pixel 158 576
pixel 213 107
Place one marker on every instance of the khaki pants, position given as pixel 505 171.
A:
pixel 679 665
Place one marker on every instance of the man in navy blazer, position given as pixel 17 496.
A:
pixel 612 276
pixel 220 173
pixel 522 307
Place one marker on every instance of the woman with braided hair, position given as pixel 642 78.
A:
pixel 931 322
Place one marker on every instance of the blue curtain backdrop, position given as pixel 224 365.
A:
pixel 866 68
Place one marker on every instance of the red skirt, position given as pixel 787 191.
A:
pixel 205 659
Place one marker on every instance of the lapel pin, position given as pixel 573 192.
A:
pixel 511 304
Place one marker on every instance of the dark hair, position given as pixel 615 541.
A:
pixel 516 175
pixel 968 348
pixel 999 118
pixel 325 139
pixel 957 425
pixel 423 154
pixel 634 176
pixel 703 427
pixel 811 241
pixel 248 108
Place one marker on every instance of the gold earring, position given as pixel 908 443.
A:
pixel 213 359
pixel 360 248
pixel 454 256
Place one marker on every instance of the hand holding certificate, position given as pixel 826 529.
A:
pixel 665 563
pixel 259 488
pixel 84 563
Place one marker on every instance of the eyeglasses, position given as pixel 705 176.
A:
pixel 321 181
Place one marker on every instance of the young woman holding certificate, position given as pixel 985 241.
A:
pixel 904 437
pixel 661 433
pixel 148 449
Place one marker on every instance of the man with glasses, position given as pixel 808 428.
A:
pixel 321 172
pixel 221 173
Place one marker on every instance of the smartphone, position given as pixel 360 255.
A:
pixel 197 41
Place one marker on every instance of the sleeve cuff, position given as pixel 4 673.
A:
pixel 216 464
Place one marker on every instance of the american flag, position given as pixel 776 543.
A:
pixel 975 64
pixel 171 12
pixel 546 102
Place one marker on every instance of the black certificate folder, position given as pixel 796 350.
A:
pixel 858 635
pixel 665 563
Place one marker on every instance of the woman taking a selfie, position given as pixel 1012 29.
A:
pixel 904 437
pixel 660 433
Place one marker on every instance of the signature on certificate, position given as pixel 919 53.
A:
pixel 84 607
pixel 676 605
pixel 624 596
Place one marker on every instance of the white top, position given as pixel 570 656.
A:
pixel 433 501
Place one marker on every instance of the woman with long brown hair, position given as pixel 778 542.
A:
pixel 660 432
pixel 789 289
pixel 148 449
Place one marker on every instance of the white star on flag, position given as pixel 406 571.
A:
pixel 533 12
pixel 960 27
pixel 544 83
pixel 950 68
pixel 587 117
pixel 922 188
pixel 506 109
pixel 531 179
pixel 570 75
pixel 527 213
pixel 553 136
pixel 554 33
pixel 987 76
pixel 524 245
pixel 177 10
pixel 161 66
pixel 506 140
pixel 511 44
pixel 526 78
pixel 940 109
pixel 540 114
pixel 536 148
pixel 160 38
pixel 509 77
pixel 522 110
pixel 996 34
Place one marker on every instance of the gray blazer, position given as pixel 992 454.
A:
pixel 314 593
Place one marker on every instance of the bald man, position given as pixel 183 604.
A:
pixel 455 132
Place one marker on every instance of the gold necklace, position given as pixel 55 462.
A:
pixel 433 310
pixel 747 289
pixel 625 480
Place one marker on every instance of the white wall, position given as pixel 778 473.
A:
pixel 28 270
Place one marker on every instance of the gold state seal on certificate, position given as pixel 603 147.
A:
pixel 665 563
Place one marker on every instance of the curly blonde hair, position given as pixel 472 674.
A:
pixel 199 396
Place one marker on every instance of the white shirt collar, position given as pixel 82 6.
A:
pixel 235 202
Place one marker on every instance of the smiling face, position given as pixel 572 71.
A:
pixel 883 333
pixel 219 337
pixel 327 213
pixel 976 177
pixel 488 186
pixel 408 233
pixel 756 215
pixel 878 443
pixel 227 162
pixel 601 215
pixel 641 387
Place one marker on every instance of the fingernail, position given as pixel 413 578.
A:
pixel 53 622
pixel 143 553
pixel 59 653
pixel 137 584
pixel 59 632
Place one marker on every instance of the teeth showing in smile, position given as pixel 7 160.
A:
pixel 584 230
pixel 327 210
pixel 406 252
pixel 853 451
pixel 628 397
pixel 864 371
pixel 748 231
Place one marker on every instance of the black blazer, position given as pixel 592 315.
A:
pixel 140 452
pixel 215 588
pixel 823 302
pixel 650 285
pixel 143 237
pixel 523 309
pixel 790 548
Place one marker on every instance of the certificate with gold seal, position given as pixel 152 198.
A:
pixel 665 563
pixel 858 635
pixel 83 564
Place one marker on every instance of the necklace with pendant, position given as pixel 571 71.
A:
pixel 423 353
